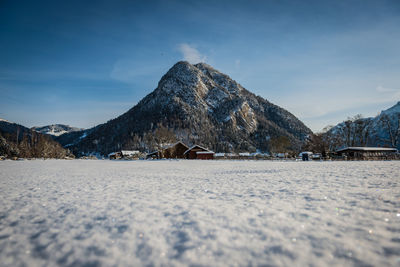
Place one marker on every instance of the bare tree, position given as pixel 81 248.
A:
pixel 392 127
pixel 361 130
pixel 163 136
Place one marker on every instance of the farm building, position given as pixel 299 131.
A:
pixel 367 153
pixel 124 154
pixel 198 152
pixel 174 151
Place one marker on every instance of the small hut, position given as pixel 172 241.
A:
pixel 198 152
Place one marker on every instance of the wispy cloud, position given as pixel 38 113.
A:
pixel 191 54
pixel 237 63
pixel 382 89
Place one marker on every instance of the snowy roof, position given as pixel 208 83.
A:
pixel 368 149
pixel 305 152
pixel 172 145
pixel 244 154
pixel 205 149
pixel 219 154
pixel 129 152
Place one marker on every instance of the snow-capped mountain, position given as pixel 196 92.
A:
pixel 56 129
pixel 196 104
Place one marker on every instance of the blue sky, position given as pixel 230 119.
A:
pixel 85 62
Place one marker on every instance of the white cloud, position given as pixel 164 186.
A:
pixel 191 54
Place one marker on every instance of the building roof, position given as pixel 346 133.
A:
pixel 129 152
pixel 204 149
pixel 172 145
pixel 205 152
pixel 355 148
pixel 152 153
pixel 306 152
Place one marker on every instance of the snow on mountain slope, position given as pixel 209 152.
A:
pixel 393 110
pixel 56 129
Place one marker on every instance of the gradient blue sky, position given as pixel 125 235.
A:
pixel 84 62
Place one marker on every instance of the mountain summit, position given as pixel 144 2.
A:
pixel 195 104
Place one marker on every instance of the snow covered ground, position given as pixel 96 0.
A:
pixel 218 213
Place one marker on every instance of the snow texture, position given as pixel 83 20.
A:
pixel 199 213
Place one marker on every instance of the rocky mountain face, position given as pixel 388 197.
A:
pixel 56 129
pixel 195 104
pixel 19 141
pixel 381 130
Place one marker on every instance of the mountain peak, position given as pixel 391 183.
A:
pixel 181 66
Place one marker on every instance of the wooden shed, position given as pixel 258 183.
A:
pixel 367 153
pixel 199 152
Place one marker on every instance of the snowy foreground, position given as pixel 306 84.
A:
pixel 211 213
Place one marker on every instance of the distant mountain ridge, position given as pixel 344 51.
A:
pixel 381 130
pixel 195 104
pixel 19 141
pixel 56 129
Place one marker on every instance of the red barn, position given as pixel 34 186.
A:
pixel 199 152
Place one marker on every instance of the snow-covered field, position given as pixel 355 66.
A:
pixel 211 213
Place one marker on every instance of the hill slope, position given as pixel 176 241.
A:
pixel 19 141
